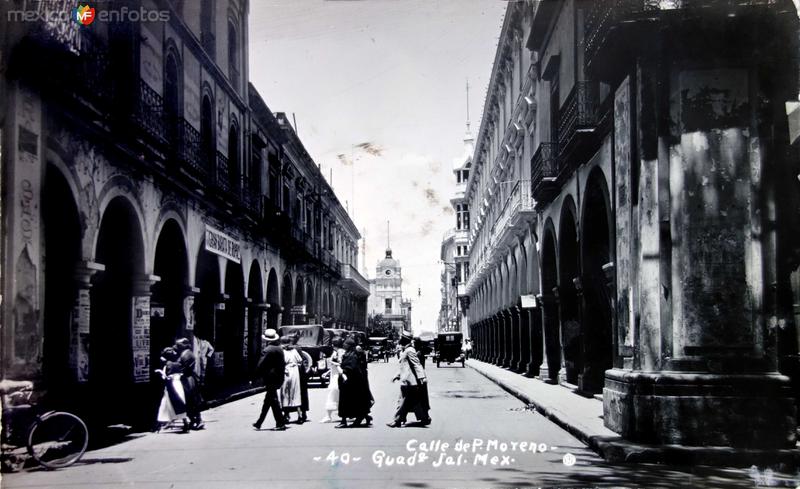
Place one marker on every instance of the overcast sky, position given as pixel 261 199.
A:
pixel 390 73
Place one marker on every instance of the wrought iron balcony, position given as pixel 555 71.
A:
pixel 606 18
pixel 544 172
pixel 355 282
pixel 221 177
pixel 189 152
pixel 577 122
pixel 517 205
pixel 149 113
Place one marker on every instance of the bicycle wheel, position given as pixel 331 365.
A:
pixel 57 440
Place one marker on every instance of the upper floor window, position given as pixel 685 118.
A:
pixel 172 97
pixel 207 37
pixel 462 217
pixel 234 170
pixel 233 55
pixel 207 136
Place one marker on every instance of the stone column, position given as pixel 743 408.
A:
pixel 516 340
pixel 504 340
pixel 496 340
pixel 699 271
pixel 80 328
pixel 550 338
pixel 535 338
pixel 140 327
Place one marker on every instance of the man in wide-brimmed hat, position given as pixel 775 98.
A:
pixel 272 368
pixel 413 385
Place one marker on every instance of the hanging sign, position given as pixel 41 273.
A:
pixel 223 245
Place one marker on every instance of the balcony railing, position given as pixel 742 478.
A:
pixel 544 172
pixel 189 150
pixel 149 114
pixel 221 178
pixel 354 280
pixel 579 113
pixel 517 202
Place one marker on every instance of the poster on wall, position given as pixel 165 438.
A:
pixel 140 339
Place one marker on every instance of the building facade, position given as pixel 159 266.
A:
pixel 149 194
pixel 634 200
pixel 455 247
pixel 386 294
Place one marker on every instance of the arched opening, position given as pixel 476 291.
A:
pixel 121 250
pixel 167 321
pixel 231 330
pixel 287 294
pixel 255 316
pixel 597 295
pixel 568 297
pixel 62 251
pixel 208 144
pixel 311 310
pixel 206 310
pixel 299 300
pixel 550 307
pixel 273 299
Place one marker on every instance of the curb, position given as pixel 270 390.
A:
pixel 234 397
pixel 616 449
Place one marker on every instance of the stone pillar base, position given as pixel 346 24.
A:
pixel 754 411
pixel 531 370
pixel 544 375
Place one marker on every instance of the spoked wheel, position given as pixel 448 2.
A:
pixel 58 440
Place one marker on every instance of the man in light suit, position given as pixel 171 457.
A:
pixel 412 383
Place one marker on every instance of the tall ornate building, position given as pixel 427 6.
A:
pixel 634 199
pixel 386 293
pixel 455 246
pixel 148 193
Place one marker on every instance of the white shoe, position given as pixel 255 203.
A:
pixel 326 419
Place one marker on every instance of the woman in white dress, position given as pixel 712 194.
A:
pixel 332 402
pixel 291 398
pixel 173 401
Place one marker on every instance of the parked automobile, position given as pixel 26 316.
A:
pixel 314 341
pixel 448 349
pixel 379 348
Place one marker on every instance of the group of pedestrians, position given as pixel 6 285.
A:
pixel 282 369
pixel 181 399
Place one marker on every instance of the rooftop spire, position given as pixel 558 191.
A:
pixel 388 241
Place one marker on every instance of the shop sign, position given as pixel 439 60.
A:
pixel 223 245
pixel 299 309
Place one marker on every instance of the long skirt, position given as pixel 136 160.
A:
pixel 290 394
pixel 173 402
pixel 332 401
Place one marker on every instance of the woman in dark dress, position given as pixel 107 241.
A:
pixel 354 395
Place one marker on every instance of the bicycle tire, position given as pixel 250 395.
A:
pixel 57 439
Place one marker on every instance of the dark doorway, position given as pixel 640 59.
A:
pixel 62 251
pixel 167 322
pixel 550 307
pixel 231 331
pixel 273 299
pixel 597 288
pixel 120 249
pixel 254 317
pixel 205 312
pixel 568 298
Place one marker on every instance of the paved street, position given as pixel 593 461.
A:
pixel 465 406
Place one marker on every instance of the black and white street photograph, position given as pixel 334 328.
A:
pixel 412 244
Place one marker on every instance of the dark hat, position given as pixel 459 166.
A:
pixel 183 344
pixel 407 335
pixel 349 343
pixel 286 340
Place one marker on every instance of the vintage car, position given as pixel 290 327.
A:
pixel 379 348
pixel 448 349
pixel 313 339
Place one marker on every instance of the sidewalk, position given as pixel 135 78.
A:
pixel 582 417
